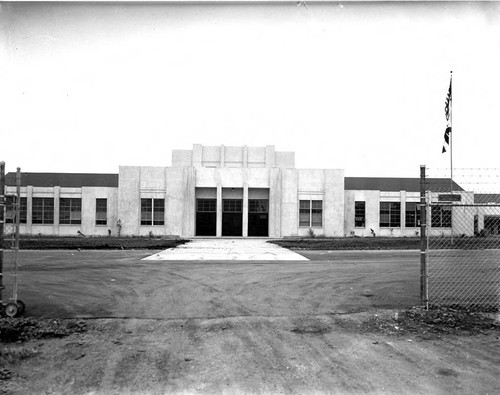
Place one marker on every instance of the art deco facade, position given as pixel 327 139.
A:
pixel 227 191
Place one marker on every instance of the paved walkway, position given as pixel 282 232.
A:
pixel 227 249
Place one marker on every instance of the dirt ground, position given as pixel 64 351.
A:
pixel 340 323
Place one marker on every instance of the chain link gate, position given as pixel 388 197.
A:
pixel 461 247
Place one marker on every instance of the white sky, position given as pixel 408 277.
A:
pixel 358 86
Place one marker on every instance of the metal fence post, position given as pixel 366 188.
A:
pixel 423 239
pixel 2 219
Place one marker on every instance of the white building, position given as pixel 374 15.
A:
pixel 228 191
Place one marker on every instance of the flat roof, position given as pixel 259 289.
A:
pixel 68 180
pixel 388 184
pixel 78 180
pixel 487 198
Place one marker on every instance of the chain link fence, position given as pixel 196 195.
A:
pixel 10 258
pixel 463 240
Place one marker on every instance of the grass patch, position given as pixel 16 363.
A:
pixel 95 243
pixel 350 243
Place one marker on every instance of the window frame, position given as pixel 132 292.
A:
pixel 232 205
pixel 43 213
pixel 412 213
pixel 393 213
pixel 156 212
pixel 258 206
pixel 309 208
pixel 10 210
pixel 358 213
pixel 99 221
pixel 438 216
pixel 68 209
pixel 204 205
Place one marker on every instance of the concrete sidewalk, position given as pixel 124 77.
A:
pixel 227 249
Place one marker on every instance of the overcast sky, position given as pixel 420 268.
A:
pixel 356 86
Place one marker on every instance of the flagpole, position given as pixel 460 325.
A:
pixel 451 139
pixel 451 152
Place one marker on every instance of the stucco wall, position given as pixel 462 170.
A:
pixel 372 207
pixel 128 199
pixel 174 200
pixel 333 211
pixel 182 157
pixel 229 156
pixel 289 202
pixel 89 196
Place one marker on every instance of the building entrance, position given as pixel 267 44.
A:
pixel 258 217
pixel 232 217
pixel 206 217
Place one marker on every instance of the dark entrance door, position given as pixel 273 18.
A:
pixel 258 217
pixel 232 217
pixel 206 217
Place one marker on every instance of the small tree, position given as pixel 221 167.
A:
pixel 119 227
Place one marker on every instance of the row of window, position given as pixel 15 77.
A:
pixel 42 211
pixel 153 212
pixel 311 214
pixel 390 215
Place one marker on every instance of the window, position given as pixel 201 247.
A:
pixel 10 210
pixel 317 213
pixel 101 211
pixel 10 213
pixel 206 205
pixel 311 213
pixel 152 211
pixel 390 214
pixel 449 198
pixel 258 205
pixel 70 211
pixel 304 213
pixel 359 214
pixel 441 216
pixel 232 205
pixel 43 211
pixel 412 214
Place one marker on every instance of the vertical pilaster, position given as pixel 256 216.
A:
pixel 218 227
pixel 222 159
pixel 57 199
pixel 277 203
pixel 270 156
pixel 29 209
pixel 197 155
pixel 245 210
pixel 403 212
pixel 245 156
pixel 188 205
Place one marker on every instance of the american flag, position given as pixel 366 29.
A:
pixel 447 103
pixel 447 113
